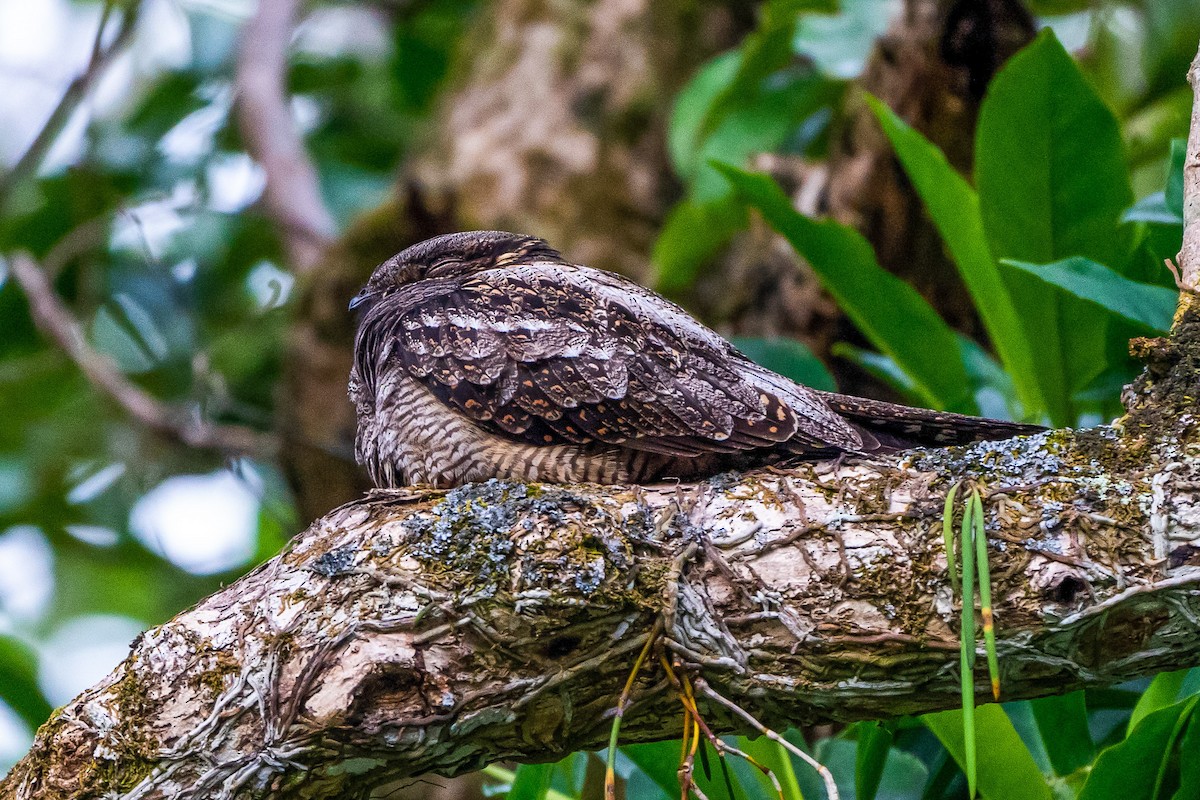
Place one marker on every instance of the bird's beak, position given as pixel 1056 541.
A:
pixel 359 299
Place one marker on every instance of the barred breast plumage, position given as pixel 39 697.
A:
pixel 485 354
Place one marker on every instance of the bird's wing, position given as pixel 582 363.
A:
pixel 547 354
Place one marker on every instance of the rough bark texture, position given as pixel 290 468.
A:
pixel 415 632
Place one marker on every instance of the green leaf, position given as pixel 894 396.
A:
pixel 1136 768
pixel 760 54
pixel 774 757
pixel 658 762
pixel 169 99
pixel 881 368
pixel 1153 208
pixel 1062 722
pixel 1148 129
pixel 993 387
pixel 752 99
pixel 1141 303
pixel 1189 766
pixel 1006 770
pixel 1163 211
pixel 793 7
pixel 692 234
pixel 1046 193
pixel 424 40
pixel 874 743
pixel 954 208
pixel 841 44
pixel 742 102
pixel 789 358
pixel 1055 7
pixel 1162 692
pixel 693 105
pixel 889 312
pixel 942 772
pixel 1020 714
pixel 531 782
pixel 1047 190
pixel 760 122
pixel 18 682
pixel 1173 194
pixel 506 778
pixel 1172 29
pixel 214 38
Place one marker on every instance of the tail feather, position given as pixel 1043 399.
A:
pixel 897 427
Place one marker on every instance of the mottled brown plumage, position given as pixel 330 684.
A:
pixel 485 354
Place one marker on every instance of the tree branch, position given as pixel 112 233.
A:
pixel 53 317
pixel 293 193
pixel 413 632
pixel 76 91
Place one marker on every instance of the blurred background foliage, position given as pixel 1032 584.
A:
pixel 1009 241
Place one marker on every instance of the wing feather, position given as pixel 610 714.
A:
pixel 542 354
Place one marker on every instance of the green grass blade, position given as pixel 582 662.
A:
pixel 966 640
pixel 610 759
pixel 985 595
pixel 967 548
pixel 967 683
pixel 948 537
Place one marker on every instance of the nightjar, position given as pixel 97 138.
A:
pixel 487 355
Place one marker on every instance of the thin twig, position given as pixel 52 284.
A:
pixel 830 787
pixel 292 195
pixel 75 94
pixel 56 321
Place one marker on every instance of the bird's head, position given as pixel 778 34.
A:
pixel 454 255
